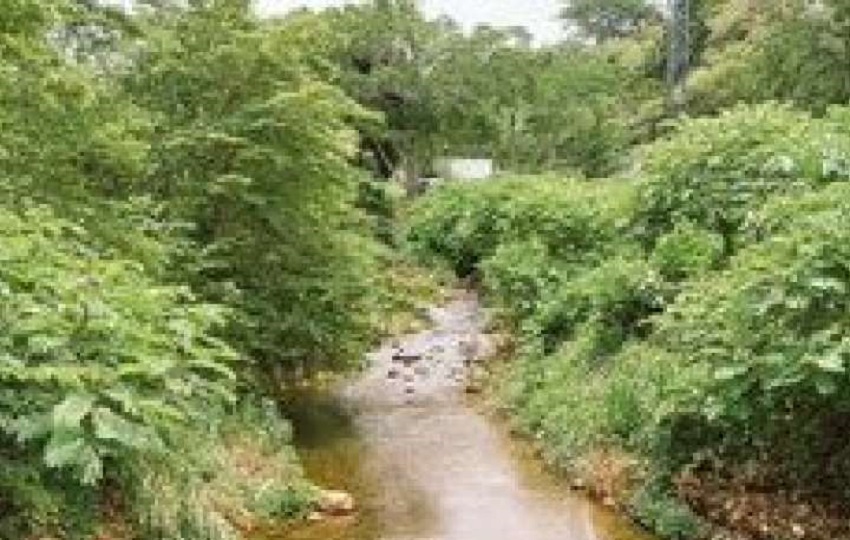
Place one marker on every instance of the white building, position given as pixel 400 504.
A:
pixel 467 169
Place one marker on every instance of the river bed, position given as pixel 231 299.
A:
pixel 422 462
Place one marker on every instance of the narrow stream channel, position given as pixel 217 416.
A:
pixel 424 464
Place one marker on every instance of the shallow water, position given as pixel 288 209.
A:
pixel 424 464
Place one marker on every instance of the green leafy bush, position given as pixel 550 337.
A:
pixel 783 215
pixel 773 331
pixel 612 300
pixel 713 171
pixel 520 275
pixel 462 225
pixel 196 209
pixel 574 406
pixel 553 398
pixel 237 471
pixel 666 515
pixel 255 152
pixel 99 363
pixel 686 252
pixel 723 343
pixel 288 502
pixel 109 359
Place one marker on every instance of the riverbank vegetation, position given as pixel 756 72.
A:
pixel 690 319
pixel 681 316
pixel 181 230
pixel 196 210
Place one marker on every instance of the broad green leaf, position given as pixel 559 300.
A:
pixel 112 427
pixel 68 414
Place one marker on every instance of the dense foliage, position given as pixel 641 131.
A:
pixel 695 318
pixel 253 150
pixel 759 50
pixel 712 171
pixel 181 232
pixel 193 212
pixel 489 93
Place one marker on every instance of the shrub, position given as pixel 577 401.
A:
pixel 713 171
pixel 255 152
pixel 699 318
pixel 554 399
pixel 666 515
pixel 99 363
pixel 687 252
pixel 521 275
pixel 612 300
pixel 772 329
pixel 461 225
pixel 236 472
pixel 574 405
pixel 782 215
pixel 109 359
pixel 156 215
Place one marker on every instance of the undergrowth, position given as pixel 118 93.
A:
pixel 694 318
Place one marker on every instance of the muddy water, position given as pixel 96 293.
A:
pixel 422 463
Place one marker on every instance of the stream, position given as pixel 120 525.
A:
pixel 421 461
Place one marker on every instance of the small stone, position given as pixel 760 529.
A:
pixel 797 530
pixel 315 517
pixel 578 484
pixel 336 503
pixel 474 388
pixel 422 371
pixel 393 373
pixel 410 390
pixel 609 502
pixel 406 358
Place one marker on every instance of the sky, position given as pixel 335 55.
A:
pixel 539 16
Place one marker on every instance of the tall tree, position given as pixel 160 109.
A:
pixel 254 150
pixel 759 50
pixel 602 20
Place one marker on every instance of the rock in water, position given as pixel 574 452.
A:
pixel 469 348
pixel 336 503
pixel 474 388
pixel 578 484
pixel 408 359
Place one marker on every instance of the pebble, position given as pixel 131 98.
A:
pixel 336 503
pixel 473 388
